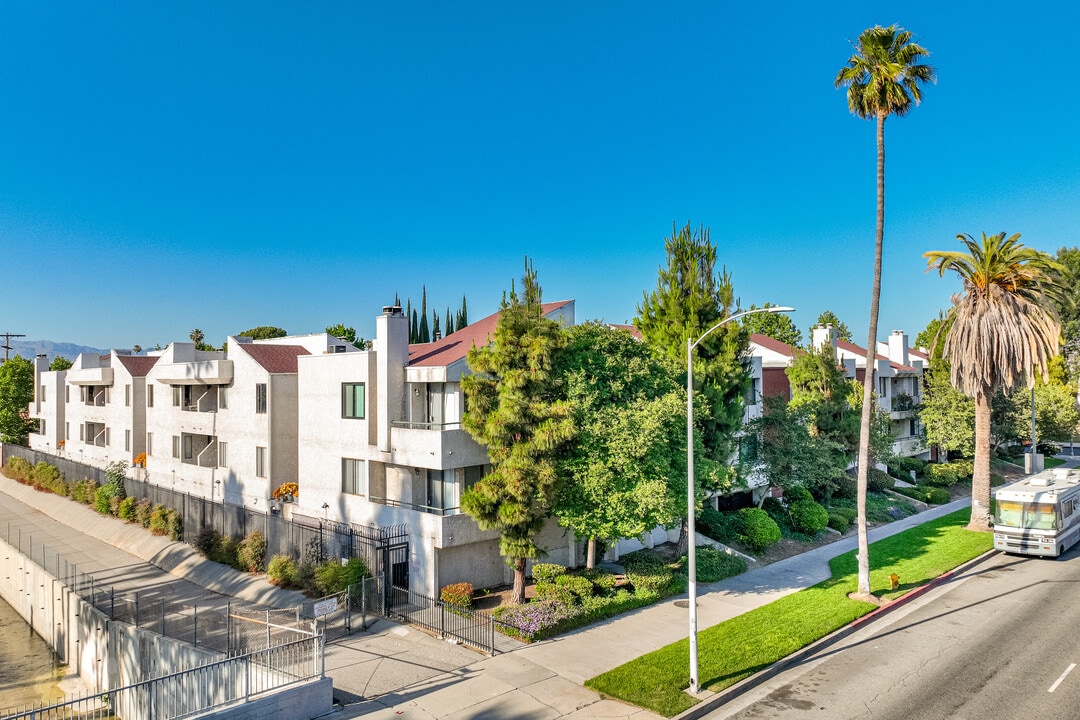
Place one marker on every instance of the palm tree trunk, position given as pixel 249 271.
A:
pixel 868 379
pixel 980 479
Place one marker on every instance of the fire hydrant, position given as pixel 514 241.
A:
pixel 895 580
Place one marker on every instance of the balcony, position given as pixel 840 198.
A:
pixel 430 445
pixel 90 376
pixel 903 406
pixel 204 372
pixel 204 403
pixel 199 450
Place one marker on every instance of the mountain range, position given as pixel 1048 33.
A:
pixel 31 348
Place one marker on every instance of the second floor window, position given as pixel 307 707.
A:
pixel 260 397
pixel 260 461
pixel 149 397
pixel 352 400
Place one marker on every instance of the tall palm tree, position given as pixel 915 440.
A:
pixel 1005 329
pixel 196 336
pixel 882 78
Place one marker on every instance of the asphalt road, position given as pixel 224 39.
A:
pixel 998 642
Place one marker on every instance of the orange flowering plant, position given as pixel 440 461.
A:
pixel 289 488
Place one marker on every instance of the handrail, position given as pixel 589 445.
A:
pixel 427 425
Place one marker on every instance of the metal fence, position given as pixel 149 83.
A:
pixel 197 690
pixel 232 629
pixel 305 539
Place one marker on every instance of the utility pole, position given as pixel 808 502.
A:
pixel 7 344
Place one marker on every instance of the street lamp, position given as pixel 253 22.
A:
pixel 690 529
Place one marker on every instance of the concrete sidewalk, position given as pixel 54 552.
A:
pixel 395 671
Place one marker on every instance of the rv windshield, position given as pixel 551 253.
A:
pixel 1028 516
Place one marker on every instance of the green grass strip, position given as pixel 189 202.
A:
pixel 746 644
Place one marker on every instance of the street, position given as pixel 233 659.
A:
pixel 997 642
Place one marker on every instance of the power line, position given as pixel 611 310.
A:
pixel 7 343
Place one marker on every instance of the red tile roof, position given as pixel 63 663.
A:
pixel 275 359
pixel 138 365
pixel 773 344
pixel 632 329
pixel 455 346
pixel 853 348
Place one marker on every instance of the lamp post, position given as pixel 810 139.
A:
pixel 690 529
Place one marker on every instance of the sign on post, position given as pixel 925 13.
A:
pixel 324 607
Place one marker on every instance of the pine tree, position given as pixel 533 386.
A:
pixel 449 323
pixel 511 410
pixel 690 298
pixel 414 329
pixel 436 333
pixel 424 334
pixel 463 318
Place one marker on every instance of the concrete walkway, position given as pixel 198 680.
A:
pixel 394 671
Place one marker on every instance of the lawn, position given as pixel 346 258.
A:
pixel 747 644
pixel 1052 462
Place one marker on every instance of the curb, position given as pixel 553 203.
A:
pixel 728 694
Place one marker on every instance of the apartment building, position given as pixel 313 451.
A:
pixel 94 412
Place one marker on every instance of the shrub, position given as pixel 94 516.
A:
pixel 720 526
pixel 332 577
pixel 759 531
pixel 547 572
pixel 941 475
pixel 158 525
pixel 714 565
pixel 796 493
pixel 532 621
pixel 927 494
pixel 251 554
pixel 850 513
pixel 102 498
pixel 126 511
pixel 648 574
pixel 601 579
pixel 878 481
pixel 838 522
pixel 44 476
pixel 579 587
pixel 809 517
pixel 174 524
pixel 281 571
pixel 114 506
pixel 550 592
pixel 457 595
pixel 846 487
pixel 142 512
pixel 17 469
pixel 206 540
pixel 996 479
pixel 907 464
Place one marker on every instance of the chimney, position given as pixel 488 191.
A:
pixel 391 356
pixel 824 334
pixel 898 347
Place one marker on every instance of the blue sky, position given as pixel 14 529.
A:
pixel 166 166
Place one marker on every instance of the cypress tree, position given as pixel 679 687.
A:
pixel 463 318
pixel 436 333
pixel 449 323
pixel 414 329
pixel 512 412
pixel 424 334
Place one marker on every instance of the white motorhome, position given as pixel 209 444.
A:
pixel 1039 515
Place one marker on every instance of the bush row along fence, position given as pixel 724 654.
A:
pixel 312 540
pixel 305 539
pixel 198 690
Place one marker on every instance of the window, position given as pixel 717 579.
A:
pixel 188 452
pixel 67 393
pixel 41 426
pixel 223 454
pixel 106 395
pixel 176 446
pixel 149 444
pixel 883 387
pixel 127 441
pixel 223 398
pixel 42 397
pixel 177 395
pixel 354 476
pixel 352 400
pixel 107 436
pixel 260 398
pixel 127 396
pixel 82 433
pixel 260 460
pixel 67 430
pixel 149 400
pixel 442 489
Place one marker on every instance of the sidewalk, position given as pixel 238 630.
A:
pixel 395 671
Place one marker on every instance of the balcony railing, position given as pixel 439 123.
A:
pixel 390 502
pixel 427 425
pixel 903 401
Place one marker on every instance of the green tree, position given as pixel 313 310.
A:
pixel 827 398
pixel 414 329
pixel 436 331
pixel 778 326
pixel 512 409
pixel 1005 330
pixel 136 349
pixel 625 468
pixel 346 333
pixel 882 78
pixel 1056 415
pixel 197 336
pixel 462 319
pixel 449 323
pixel 829 318
pixel 947 415
pixel 60 363
pixel 423 332
pixel 790 455
pixel 1068 309
pixel 690 298
pixel 932 338
pixel 16 394
pixel 264 332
